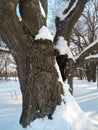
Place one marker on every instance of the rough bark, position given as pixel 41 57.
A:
pixel 39 83
pixel 31 15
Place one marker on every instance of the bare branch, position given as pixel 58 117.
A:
pixel 86 61
pixel 89 49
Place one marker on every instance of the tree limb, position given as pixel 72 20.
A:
pixel 86 61
pixel 89 49
pixel 64 28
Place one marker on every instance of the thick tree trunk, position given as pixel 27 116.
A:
pixel 41 90
pixel 40 87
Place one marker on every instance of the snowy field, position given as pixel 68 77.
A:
pixel 71 118
pixel 86 95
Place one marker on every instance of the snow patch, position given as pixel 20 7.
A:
pixel 44 33
pixel 73 114
pixel 67 116
pixel 42 10
pixel 58 71
pixel 63 48
pixel 18 12
pixel 4 49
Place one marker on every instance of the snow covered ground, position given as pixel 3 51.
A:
pixel 86 95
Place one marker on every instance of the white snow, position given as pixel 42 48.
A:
pixel 44 33
pixel 86 95
pixel 4 49
pixel 18 12
pixel 67 116
pixel 75 116
pixel 63 48
pixel 61 14
pixel 92 56
pixel 58 71
pixel 42 9
pixel 89 46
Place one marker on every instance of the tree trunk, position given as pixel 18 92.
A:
pixel 38 77
pixel 70 74
pixel 41 90
pixel 93 69
pixel 91 72
pixel 64 29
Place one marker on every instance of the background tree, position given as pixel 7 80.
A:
pixel 84 33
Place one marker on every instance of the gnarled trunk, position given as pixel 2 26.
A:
pixel 38 77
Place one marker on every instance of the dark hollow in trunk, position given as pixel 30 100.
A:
pixel 62 61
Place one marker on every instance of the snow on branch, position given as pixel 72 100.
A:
pixel 61 14
pixel 44 33
pixel 92 56
pixel 90 48
pixel 63 48
pixel 86 61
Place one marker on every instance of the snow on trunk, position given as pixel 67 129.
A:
pixel 61 14
pixel 63 48
pixel 44 33
pixel 42 9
